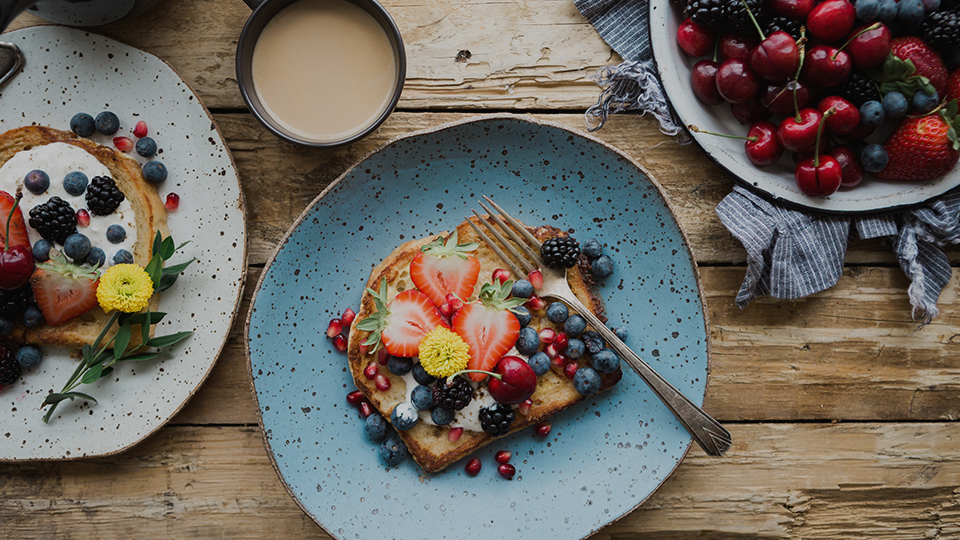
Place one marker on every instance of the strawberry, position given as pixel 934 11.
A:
pixel 445 267
pixel 18 229
pixel 927 62
pixel 63 290
pixel 401 324
pixel 953 86
pixel 488 326
pixel 923 148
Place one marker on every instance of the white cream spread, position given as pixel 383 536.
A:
pixel 58 159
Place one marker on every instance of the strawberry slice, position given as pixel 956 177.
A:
pixel 488 326
pixel 401 324
pixel 18 229
pixel 63 290
pixel 445 267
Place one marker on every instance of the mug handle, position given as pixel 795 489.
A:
pixel 254 4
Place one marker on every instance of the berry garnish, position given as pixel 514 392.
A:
pixel 560 252
pixel 512 380
pixel 542 429
pixel 488 327
pixel 140 130
pixel 54 220
pixel 445 267
pixel 172 202
pixel 9 367
pixel 340 343
pixel 402 323
pixel 496 419
pixel 103 196
pixel 507 471
pixel 347 317
pixel 472 467
pixel 503 456
pixel 63 290
pixel 123 144
pixel 453 394
pixel 83 218
pixel 16 261
pixel 334 328
pixel 502 275
pixel 821 175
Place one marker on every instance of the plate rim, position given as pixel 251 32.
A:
pixel 418 133
pixel 241 201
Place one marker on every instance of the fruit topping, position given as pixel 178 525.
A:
pixel 536 279
pixel 557 312
pixel 496 419
pixel 586 381
pixel 103 196
pixel 17 231
pixel 858 89
pixel 472 468
pixel 75 183
pixel 400 366
pixel 123 144
pixel 488 327
pixel 36 181
pixel 570 370
pixel 140 130
pixel 453 394
pixel 154 172
pixel 147 147
pixel 83 218
pixel 54 220
pixel 172 203
pixel 29 357
pixel 9 367
pixel 502 275
pixel 63 290
pixel 13 303
pixel 507 471
pixel 402 323
pixel 445 267
pixel 441 416
pixel 605 361
pixel 560 252
pixel 393 451
pixel 503 456
pixel 77 247
pixel 542 429
pixel 941 29
pixel 375 427
pixel 83 125
pixel 512 381
pixel 122 256
pixel 455 434
pixel 16 261
pixel 107 123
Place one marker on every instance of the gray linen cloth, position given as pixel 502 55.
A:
pixel 790 253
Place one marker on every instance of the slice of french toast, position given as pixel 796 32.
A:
pixel 150 217
pixel 430 445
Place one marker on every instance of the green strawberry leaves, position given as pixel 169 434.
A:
pixel 377 321
pixel 950 115
pixel 896 75
pixel 439 248
pixel 496 296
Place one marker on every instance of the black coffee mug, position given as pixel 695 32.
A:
pixel 263 12
pixel 74 12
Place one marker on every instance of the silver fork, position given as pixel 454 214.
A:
pixel 709 434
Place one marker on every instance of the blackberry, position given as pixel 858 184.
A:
pixel 709 13
pixel 858 89
pixel 9 367
pixel 736 19
pixel 559 252
pixel 785 24
pixel 941 29
pixel 103 196
pixel 496 419
pixel 55 220
pixel 14 303
pixel 453 396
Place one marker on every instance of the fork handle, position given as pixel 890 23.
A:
pixel 709 434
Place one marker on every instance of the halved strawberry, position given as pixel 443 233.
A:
pixel 63 290
pixel 18 229
pixel 445 267
pixel 488 327
pixel 401 324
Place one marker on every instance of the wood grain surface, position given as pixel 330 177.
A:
pixel 843 411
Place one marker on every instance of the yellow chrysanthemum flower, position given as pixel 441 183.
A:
pixel 443 353
pixel 124 287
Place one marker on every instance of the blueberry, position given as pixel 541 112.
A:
pixel 441 416
pixel 602 266
pixel 575 348
pixel 393 451
pixel 108 123
pixel 522 314
pixel 116 234
pixel 522 289
pixel 77 246
pixel 539 363
pixel 421 376
pixel 557 312
pixel 574 325
pixel 154 172
pixel 894 104
pixel 41 250
pixel 586 381
pixel 605 361
pixel 96 258
pixel 75 183
pixel 528 342
pixel 593 341
pixel 6 326
pixel 871 113
pixel 146 147
pixel 399 366
pixel 910 12
pixel 32 317
pixel 620 331
pixel 422 397
pixel 375 427
pixel 83 125
pixel 874 158
pixel 888 11
pixel 924 102
pixel 591 248
pixel 867 10
pixel 122 256
pixel 930 5
pixel 36 181
pixel 404 416
pixel 29 357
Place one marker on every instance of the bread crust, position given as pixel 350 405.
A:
pixel 150 214
pixel 429 445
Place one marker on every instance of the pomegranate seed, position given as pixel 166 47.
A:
pixel 382 357
pixel 535 303
pixel 366 409
pixel 364 349
pixel 561 341
pixel 548 335
pixel 354 398
pixel 502 274
pixel 503 456
pixel 172 203
pixel 348 316
pixel 123 144
pixel 446 310
pixel 570 369
pixel 83 218
pixel 507 471
pixel 536 279
pixel 334 328
pixel 140 130
pixel 383 383
pixel 525 407
pixel 542 429
pixel 340 343
pixel 473 467
pixel 455 302
pixel 551 350
pixel 371 371
pixel 558 361
pixel 455 434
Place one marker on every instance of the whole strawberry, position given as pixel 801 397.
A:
pixel 953 86
pixel 923 148
pixel 927 62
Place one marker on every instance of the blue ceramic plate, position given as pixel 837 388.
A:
pixel 604 457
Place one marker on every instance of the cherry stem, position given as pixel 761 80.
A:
pixel 6 238
pixel 874 26
pixel 716 46
pixel 801 45
pixel 752 18
pixel 692 127
pixel 816 147
pixel 494 375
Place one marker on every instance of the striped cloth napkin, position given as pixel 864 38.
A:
pixel 790 253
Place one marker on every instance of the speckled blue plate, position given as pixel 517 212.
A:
pixel 604 457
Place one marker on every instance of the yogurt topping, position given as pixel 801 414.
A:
pixel 58 159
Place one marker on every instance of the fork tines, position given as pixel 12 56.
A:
pixel 524 262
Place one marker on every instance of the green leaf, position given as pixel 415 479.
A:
pixel 103 357
pixel 92 374
pixel 87 353
pixel 121 341
pixel 140 357
pixel 178 268
pixel 166 341
pixel 166 281
pixel 81 395
pixel 157 240
pixel 368 325
pixel 106 372
pixel 167 248
pixel 53 398
pixel 145 326
pixel 155 317
pixel 183 244
pixel 154 269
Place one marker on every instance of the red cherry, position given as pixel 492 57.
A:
pixel 473 467
pixel 766 149
pixel 703 80
pixel 750 111
pixel 845 118
pixel 513 381
pixel 811 152
pixel 831 20
pixel 826 66
pixel 736 81
pixel 16 262
pixel 818 179
pixel 795 9
pixel 777 57
pixel 695 39
pixel 859 133
pixel 779 98
pixel 799 136
pixel 736 46
pixel 851 171
pixel 868 46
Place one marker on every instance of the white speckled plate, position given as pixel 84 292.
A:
pixel 69 71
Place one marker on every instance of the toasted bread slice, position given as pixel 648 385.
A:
pixel 151 216
pixel 429 445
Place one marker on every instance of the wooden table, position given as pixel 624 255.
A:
pixel 842 411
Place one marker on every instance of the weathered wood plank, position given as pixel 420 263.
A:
pixel 880 481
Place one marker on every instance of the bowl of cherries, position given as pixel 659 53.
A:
pixel 835 105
